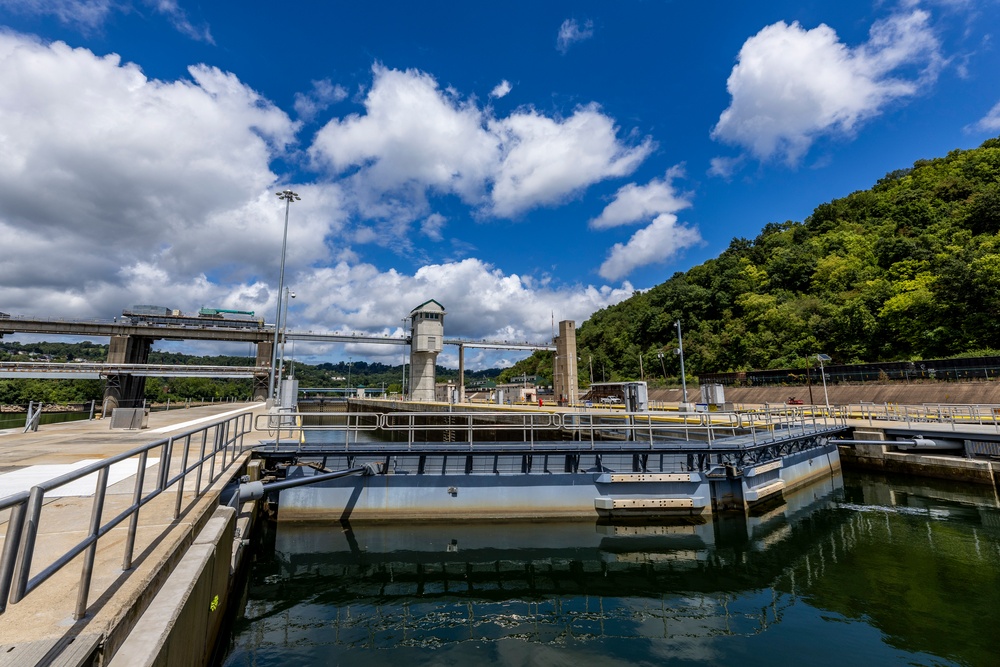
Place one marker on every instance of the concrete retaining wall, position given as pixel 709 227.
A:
pixel 843 394
pixel 182 622
pixel 876 457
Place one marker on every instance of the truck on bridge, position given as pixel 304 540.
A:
pixel 207 317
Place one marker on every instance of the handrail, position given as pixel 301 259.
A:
pixel 760 426
pixel 26 507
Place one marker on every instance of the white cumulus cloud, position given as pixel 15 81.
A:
pixel 658 242
pixel 792 85
pixel 117 189
pixel 102 169
pixel 657 203
pixel 501 89
pixel 415 139
pixel 571 32
pixel 319 98
pixel 482 301
pixel 634 203
pixel 988 123
pixel 545 159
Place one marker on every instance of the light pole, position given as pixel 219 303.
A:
pixel 591 369
pixel 350 363
pixel 662 366
pixel 288 197
pixel 822 358
pixel 284 325
pixel 680 351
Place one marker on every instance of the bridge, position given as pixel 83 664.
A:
pixel 131 340
pixel 101 371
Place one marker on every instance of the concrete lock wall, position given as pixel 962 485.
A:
pixel 181 624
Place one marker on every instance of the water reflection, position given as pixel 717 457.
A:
pixel 880 569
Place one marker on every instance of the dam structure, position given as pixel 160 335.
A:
pixel 128 554
pixel 540 464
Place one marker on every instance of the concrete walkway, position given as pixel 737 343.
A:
pixel 40 630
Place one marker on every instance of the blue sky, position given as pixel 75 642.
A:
pixel 518 162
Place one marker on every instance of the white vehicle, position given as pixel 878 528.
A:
pixel 610 400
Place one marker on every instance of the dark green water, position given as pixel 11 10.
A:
pixel 16 419
pixel 866 570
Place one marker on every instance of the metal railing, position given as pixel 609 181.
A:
pixel 747 428
pixel 744 428
pixel 916 416
pixel 216 445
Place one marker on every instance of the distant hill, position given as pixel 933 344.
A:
pixel 908 269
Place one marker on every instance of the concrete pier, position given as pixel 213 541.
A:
pixel 40 629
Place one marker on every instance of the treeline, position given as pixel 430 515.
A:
pixel 908 269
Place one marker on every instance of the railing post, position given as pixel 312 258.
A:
pixel 15 525
pixel 88 558
pixel 133 522
pixel 201 460
pixel 161 478
pixel 183 476
pixel 215 454
pixel 33 512
pixel 221 444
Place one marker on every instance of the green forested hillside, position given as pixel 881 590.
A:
pixel 908 269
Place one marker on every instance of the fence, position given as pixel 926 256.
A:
pixel 216 445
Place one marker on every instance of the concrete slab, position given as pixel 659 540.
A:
pixel 68 651
pixel 43 622
pixel 23 479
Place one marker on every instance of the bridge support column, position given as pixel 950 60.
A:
pixel 124 390
pixel 564 382
pixel 263 364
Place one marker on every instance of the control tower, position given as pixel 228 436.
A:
pixel 426 338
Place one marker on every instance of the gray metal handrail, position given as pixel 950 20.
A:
pixel 761 426
pixel 954 415
pixel 16 582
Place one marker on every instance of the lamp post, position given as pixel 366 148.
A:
pixel 662 366
pixel 288 197
pixel 350 363
pixel 680 351
pixel 284 325
pixel 591 369
pixel 822 358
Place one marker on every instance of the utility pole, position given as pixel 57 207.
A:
pixel 822 358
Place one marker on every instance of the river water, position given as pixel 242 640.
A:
pixel 861 569
pixel 17 419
